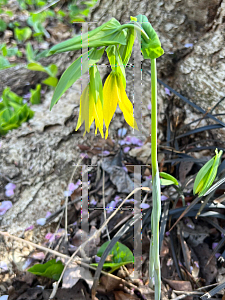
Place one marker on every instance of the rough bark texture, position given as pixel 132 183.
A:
pixel 39 156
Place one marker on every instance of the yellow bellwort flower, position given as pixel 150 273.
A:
pixel 114 93
pixel 90 111
pixel 91 103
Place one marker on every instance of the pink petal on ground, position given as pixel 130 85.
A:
pixel 144 205
pixel 29 228
pixel 217 255
pixel 67 193
pixel 48 214
pixel 4 206
pixel 122 132
pixel 126 149
pixel 48 236
pixel 167 91
pixel 84 155
pixel 9 193
pixel 93 202
pixel 71 187
pixel 10 186
pixel 150 106
pixel 163 198
pixel 97 259
pixel 41 221
pixel 3 265
pixel 214 245
pixel 39 255
pixel 27 263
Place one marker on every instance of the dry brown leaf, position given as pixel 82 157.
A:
pixel 73 274
pixel 120 295
pixel 179 285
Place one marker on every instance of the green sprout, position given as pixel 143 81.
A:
pixel 207 174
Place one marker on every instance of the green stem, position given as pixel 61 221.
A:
pixel 154 259
pixel 154 118
pixel 136 27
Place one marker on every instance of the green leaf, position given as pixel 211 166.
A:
pixel 8 95
pixel 51 81
pixel 120 255
pixel 51 269
pixel 151 49
pixel 168 177
pixel 3 25
pixel 36 95
pixel 202 175
pixel 30 52
pixel 105 35
pixel 52 70
pixel 34 66
pixel 4 63
pixel 4 50
pixel 22 34
pixel 74 72
pixel 207 174
pixel 166 181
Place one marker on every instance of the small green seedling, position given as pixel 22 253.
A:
pixel 207 174
pixel 51 269
pixel 22 34
pixel 167 179
pixel 51 70
pixel 36 95
pixel 120 255
pixel 12 111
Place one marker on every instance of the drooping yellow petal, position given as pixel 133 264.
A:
pixel 98 115
pixel 86 110
pixel 110 99
pixel 125 104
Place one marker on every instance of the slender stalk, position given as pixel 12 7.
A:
pixel 154 118
pixel 136 27
pixel 154 260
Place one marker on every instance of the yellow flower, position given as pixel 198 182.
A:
pixel 90 111
pixel 114 93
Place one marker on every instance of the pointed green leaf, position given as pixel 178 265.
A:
pixel 35 95
pixel 74 72
pixel 34 66
pixel 52 70
pixel 168 177
pixel 199 180
pixel 51 81
pixel 120 255
pixel 51 269
pixel 106 34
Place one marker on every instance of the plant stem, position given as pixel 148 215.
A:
pixel 136 27
pixel 154 259
pixel 154 118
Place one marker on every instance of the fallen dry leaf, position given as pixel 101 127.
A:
pixel 73 274
pixel 120 295
pixel 179 285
